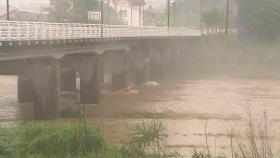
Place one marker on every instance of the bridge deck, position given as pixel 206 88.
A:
pixel 41 31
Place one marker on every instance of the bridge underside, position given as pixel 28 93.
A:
pixel 46 69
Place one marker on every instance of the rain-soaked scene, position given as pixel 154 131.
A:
pixel 139 78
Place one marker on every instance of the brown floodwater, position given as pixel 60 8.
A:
pixel 185 107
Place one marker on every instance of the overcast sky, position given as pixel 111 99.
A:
pixel 28 1
pixel 18 3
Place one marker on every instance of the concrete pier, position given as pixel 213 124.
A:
pixel 68 79
pixel 46 87
pixel 156 69
pixel 118 62
pixel 89 79
pixel 24 89
pixel 141 61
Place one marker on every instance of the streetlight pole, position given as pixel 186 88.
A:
pixel 8 10
pixel 102 12
pixel 201 14
pixel 108 11
pixel 174 14
pixel 227 18
pixel 168 13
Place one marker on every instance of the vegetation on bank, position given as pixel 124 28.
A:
pixel 71 140
pixel 146 140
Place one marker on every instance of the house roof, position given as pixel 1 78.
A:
pixel 3 13
pixel 3 10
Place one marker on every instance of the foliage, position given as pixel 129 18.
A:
pixel 54 140
pixel 147 140
pixel 4 143
pixel 60 11
pixel 211 18
pixel 201 154
pixel 111 15
pixel 77 11
pixel 64 140
pixel 153 17
pixel 261 17
pixel 197 154
pixel 258 142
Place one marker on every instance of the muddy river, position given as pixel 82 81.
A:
pixel 185 107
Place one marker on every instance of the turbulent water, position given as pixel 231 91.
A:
pixel 187 108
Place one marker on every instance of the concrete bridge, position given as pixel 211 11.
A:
pixel 48 57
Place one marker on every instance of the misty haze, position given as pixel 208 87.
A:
pixel 139 78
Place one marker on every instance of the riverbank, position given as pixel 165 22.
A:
pixel 58 139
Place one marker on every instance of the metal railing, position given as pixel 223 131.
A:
pixel 21 31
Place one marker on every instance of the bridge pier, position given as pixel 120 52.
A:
pixel 46 88
pixel 101 67
pixel 118 61
pixel 141 66
pixel 24 89
pixel 156 67
pixel 89 79
pixel 68 79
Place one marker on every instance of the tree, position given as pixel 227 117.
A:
pixel 60 11
pixel 79 13
pixel 211 18
pixel 154 17
pixel 111 15
pixel 76 11
pixel 260 17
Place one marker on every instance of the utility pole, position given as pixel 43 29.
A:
pixel 201 15
pixel 174 13
pixel 41 12
pixel 108 12
pixel 168 13
pixel 227 18
pixel 102 12
pixel 8 10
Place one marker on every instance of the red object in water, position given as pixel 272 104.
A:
pixel 123 91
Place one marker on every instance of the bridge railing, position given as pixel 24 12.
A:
pixel 20 31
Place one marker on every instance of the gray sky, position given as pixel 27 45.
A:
pixel 22 3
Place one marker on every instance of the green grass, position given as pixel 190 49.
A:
pixel 52 140
pixel 71 140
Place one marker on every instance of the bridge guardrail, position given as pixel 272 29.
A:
pixel 22 31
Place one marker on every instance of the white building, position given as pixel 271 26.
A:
pixel 130 11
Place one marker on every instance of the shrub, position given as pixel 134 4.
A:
pixel 200 155
pixel 147 140
pixel 5 150
pixel 56 140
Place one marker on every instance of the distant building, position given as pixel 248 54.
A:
pixel 17 14
pixel 130 11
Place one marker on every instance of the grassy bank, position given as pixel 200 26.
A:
pixel 70 140
pixel 145 140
